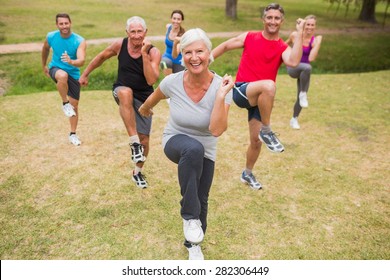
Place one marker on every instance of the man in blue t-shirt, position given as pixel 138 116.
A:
pixel 69 50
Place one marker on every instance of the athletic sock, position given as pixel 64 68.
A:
pixel 137 170
pixel 266 128
pixel 63 103
pixel 134 139
pixel 72 133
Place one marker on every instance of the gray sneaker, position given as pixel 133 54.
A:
pixel 271 141
pixel 250 180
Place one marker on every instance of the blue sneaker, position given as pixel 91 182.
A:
pixel 250 180
pixel 271 141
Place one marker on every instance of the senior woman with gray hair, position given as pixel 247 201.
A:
pixel 199 106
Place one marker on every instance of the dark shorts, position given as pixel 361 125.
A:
pixel 73 84
pixel 239 97
pixel 144 124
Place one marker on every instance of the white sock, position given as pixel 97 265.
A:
pixel 137 170
pixel 134 139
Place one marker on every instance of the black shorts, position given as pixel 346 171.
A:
pixel 73 84
pixel 239 97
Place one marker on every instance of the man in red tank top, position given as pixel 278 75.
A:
pixel 263 53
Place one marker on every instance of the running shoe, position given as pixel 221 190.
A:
pixel 140 180
pixel 195 253
pixel 271 141
pixel 303 100
pixel 250 180
pixel 68 110
pixel 294 123
pixel 137 152
pixel 193 231
pixel 74 140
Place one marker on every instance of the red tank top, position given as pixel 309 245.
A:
pixel 260 59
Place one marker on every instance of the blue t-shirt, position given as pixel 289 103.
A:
pixel 59 46
pixel 169 46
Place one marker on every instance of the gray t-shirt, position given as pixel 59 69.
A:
pixel 190 118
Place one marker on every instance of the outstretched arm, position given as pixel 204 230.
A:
pixel 231 44
pixel 98 60
pixel 45 55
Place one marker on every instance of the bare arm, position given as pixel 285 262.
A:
pixel 292 56
pixel 45 55
pixel 219 115
pixel 80 56
pixel 176 47
pixel 316 47
pixel 98 60
pixel 290 40
pixel 151 62
pixel 231 44
pixel 146 108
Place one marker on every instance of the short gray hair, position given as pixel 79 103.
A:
pixel 136 19
pixel 193 35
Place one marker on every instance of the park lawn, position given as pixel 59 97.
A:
pixel 325 197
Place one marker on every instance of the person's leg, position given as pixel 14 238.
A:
pixel 74 97
pixel 206 180
pixel 62 84
pixel 188 153
pixel 126 110
pixel 262 94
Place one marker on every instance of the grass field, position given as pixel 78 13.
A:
pixel 326 197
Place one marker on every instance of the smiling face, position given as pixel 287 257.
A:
pixel 310 26
pixel 64 25
pixel 196 57
pixel 176 19
pixel 136 33
pixel 272 21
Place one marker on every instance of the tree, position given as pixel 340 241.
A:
pixel 367 13
pixel 231 9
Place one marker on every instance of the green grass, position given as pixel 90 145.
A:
pixel 325 197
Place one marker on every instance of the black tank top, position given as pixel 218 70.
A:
pixel 131 74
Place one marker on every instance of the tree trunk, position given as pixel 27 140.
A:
pixel 231 9
pixel 368 11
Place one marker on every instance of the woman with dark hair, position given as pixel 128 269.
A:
pixel 171 59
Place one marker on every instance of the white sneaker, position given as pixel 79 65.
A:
pixel 193 231
pixel 303 100
pixel 294 123
pixel 74 140
pixel 68 110
pixel 195 253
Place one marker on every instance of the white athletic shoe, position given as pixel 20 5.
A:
pixel 193 231
pixel 74 140
pixel 195 253
pixel 303 100
pixel 68 110
pixel 294 123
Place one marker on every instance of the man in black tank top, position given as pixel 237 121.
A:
pixel 138 70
